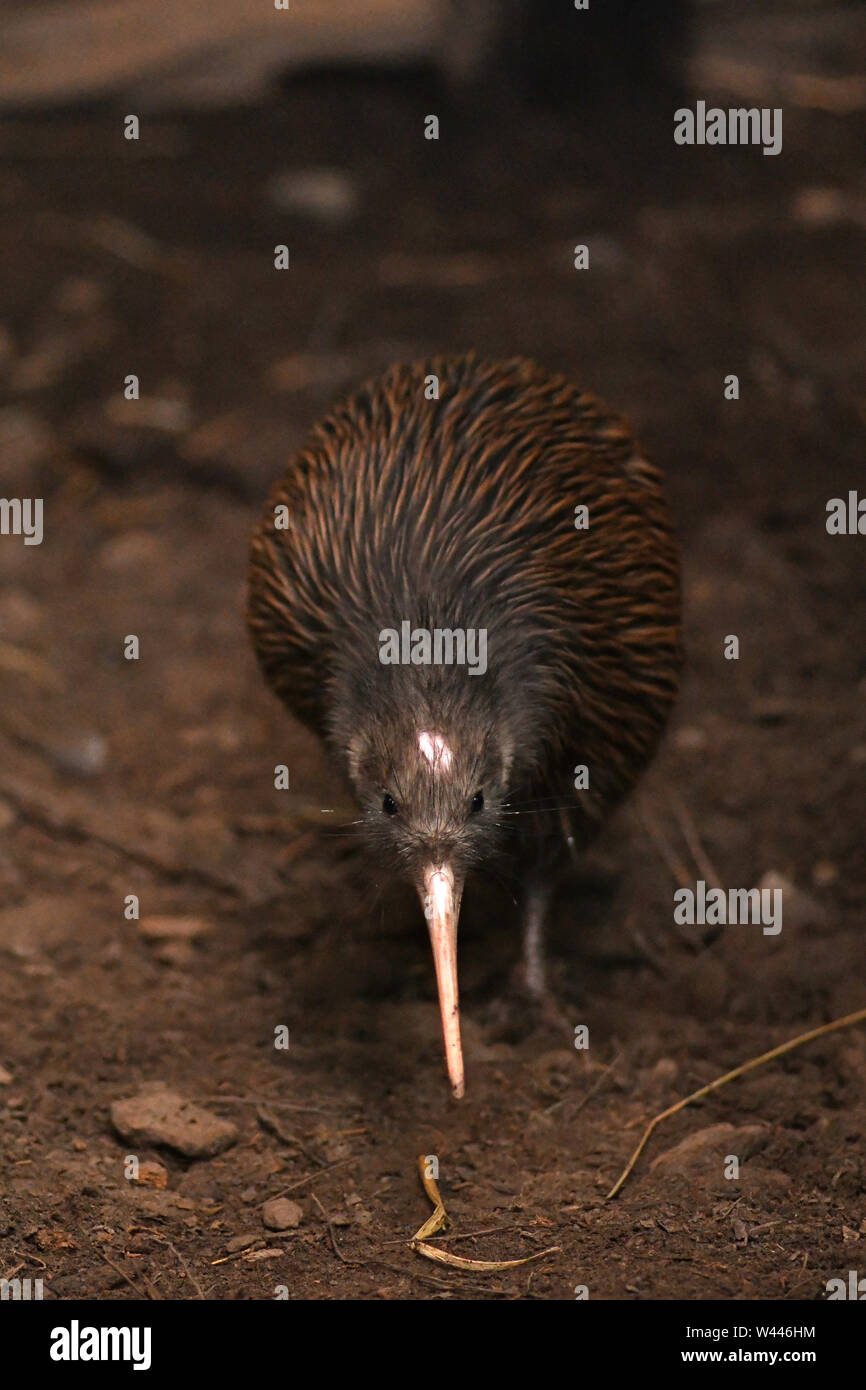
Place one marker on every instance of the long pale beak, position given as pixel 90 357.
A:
pixel 441 899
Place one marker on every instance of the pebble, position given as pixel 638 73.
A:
pixel 824 872
pixel 280 1214
pixel 323 194
pixel 161 1116
pixel 712 1145
pixel 151 1174
pixel 242 1242
pixel 131 550
pixel 85 756
pixel 665 1071
pixel 80 294
pixel 174 928
pixel 690 739
pixel 21 616
pixel 820 206
pixel 169 414
pixel 35 926
pixel 180 954
pixel 798 908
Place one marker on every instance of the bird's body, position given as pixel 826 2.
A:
pixel 516 516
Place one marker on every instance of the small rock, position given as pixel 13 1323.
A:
pixel 6 1077
pixel 279 1214
pixel 86 756
pixel 326 195
pixel 665 1071
pixel 180 954
pixel 151 1174
pixel 37 925
pixel 820 205
pixel 304 370
pixel 80 294
pixel 131 550
pixel 242 1242
pixel 161 1116
pixel 824 873
pixel 772 710
pixel 798 909
pixel 166 413
pixel 711 1146
pixel 21 616
pixel 690 739
pixel 174 928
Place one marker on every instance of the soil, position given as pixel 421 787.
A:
pixel 155 777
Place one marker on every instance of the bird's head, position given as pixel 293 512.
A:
pixel 431 782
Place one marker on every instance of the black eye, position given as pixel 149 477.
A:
pixel 477 803
pixel 389 805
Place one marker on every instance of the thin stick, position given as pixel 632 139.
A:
pixel 330 1225
pixel 675 866
pixel 189 1274
pixel 309 1178
pixel 588 1095
pixel 847 1022
pixel 129 1281
pixel 693 840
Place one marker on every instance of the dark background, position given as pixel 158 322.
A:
pixel 156 777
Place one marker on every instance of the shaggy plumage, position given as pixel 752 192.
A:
pixel 459 513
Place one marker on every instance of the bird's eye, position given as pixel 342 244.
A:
pixel 389 805
pixel 477 803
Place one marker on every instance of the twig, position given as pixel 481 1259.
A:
pixel 129 1281
pixel 271 1123
pixel 256 1099
pixel 847 1022
pixel 179 1257
pixel 676 868
pixel 330 1225
pixel 309 1178
pixel 599 1081
pixel 693 840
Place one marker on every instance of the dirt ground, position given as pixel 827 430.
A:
pixel 154 777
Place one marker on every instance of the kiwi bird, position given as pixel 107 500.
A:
pixel 467 584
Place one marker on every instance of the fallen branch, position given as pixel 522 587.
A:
pixel 847 1022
